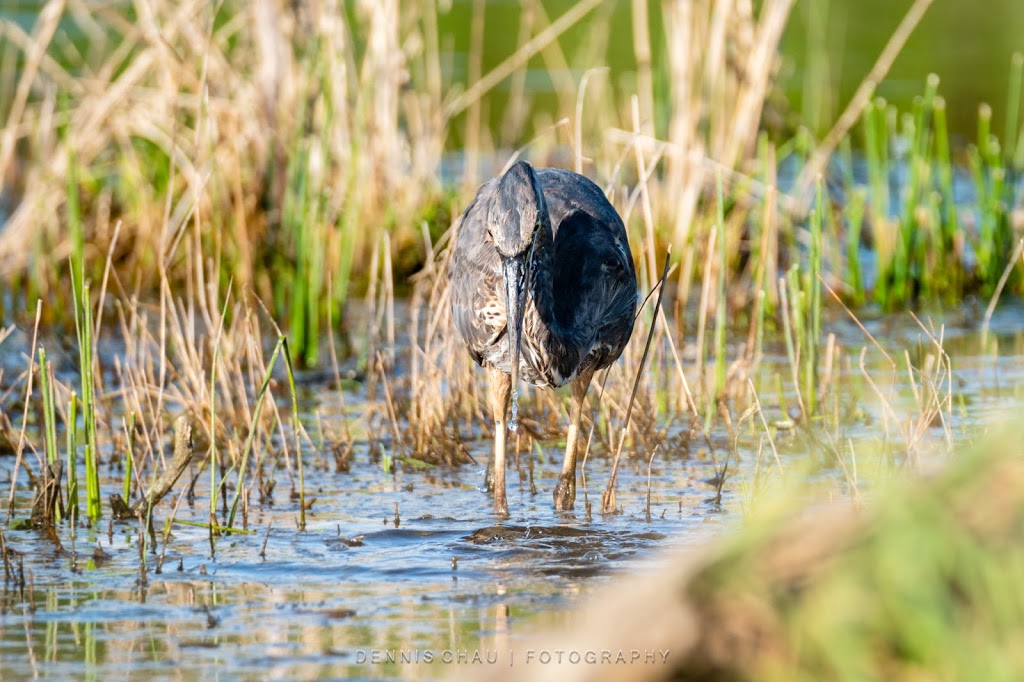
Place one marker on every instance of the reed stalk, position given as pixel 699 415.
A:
pixel 49 414
pixel 297 428
pixel 86 360
pixel 254 423
pixel 721 297
pixel 72 456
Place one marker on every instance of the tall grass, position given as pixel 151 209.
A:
pixel 247 448
pixel 282 128
pixel 266 155
pixel 296 136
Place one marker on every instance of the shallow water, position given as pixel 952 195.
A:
pixel 448 577
pixel 447 581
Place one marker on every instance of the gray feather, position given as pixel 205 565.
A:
pixel 582 283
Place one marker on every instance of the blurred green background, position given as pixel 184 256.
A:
pixel 969 44
pixel 828 47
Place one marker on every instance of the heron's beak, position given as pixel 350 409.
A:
pixel 514 270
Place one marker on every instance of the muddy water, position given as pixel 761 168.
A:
pixel 447 582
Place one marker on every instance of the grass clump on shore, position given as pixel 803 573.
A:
pixel 922 583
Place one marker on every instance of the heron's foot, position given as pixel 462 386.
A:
pixel 565 492
pixel 489 476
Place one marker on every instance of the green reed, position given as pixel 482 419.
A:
pixel 812 285
pixel 281 348
pixel 298 222
pixel 212 455
pixel 854 221
pixel 86 359
pixel 876 155
pixel 49 414
pixel 72 455
pixel 75 227
pixel 801 302
pixel 297 427
pixel 994 235
pixel 253 427
pixel 312 224
pixel 49 417
pixel 951 231
pixel 129 457
pixel 1011 136
pixel 921 245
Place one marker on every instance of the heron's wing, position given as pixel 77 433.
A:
pixel 594 284
pixel 474 275
pixel 595 280
pixel 566 192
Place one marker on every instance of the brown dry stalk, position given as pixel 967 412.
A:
pixel 608 498
pixel 20 449
pixel 49 19
pixel 757 72
pixel 1019 251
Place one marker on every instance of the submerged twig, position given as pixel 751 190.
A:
pixel 3 556
pixel 183 453
pixel 263 547
pixel 650 465
pixel 608 497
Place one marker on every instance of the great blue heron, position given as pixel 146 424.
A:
pixel 542 287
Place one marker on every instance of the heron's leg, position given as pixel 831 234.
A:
pixel 565 491
pixel 500 388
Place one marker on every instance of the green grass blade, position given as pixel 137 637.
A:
pixel 247 448
pixel 298 434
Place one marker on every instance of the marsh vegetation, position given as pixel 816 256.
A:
pixel 239 215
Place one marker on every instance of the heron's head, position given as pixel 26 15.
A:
pixel 516 213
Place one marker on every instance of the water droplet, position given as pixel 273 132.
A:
pixel 513 423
